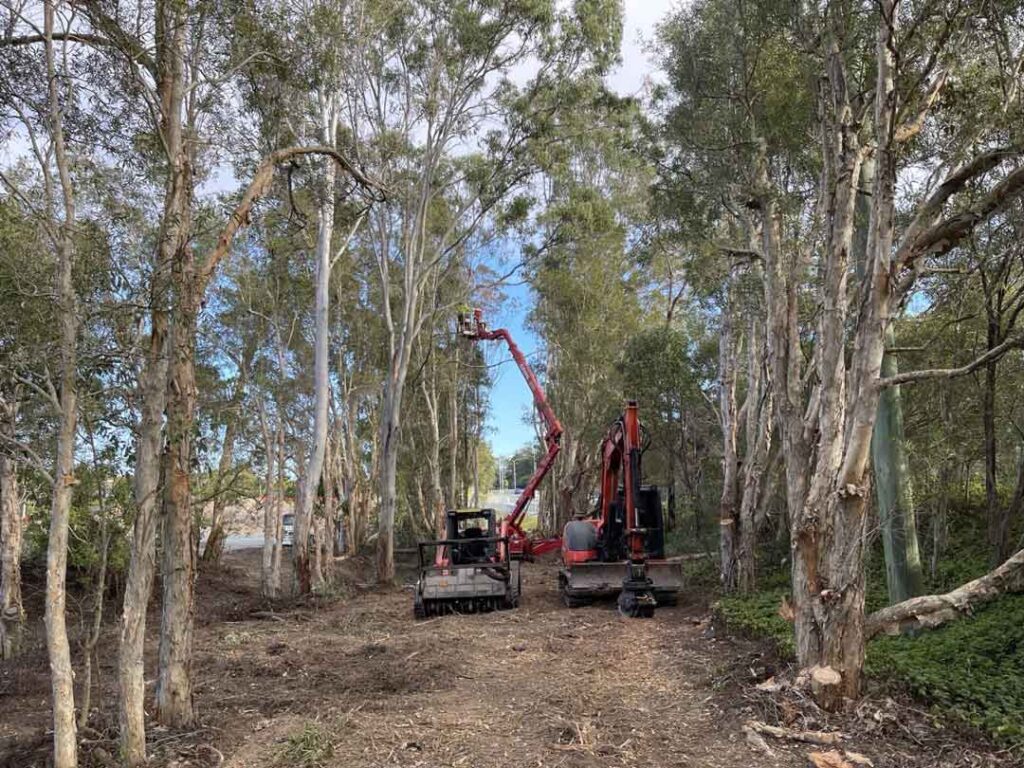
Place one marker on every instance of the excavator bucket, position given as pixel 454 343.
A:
pixel 582 582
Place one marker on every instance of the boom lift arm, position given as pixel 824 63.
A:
pixel 520 544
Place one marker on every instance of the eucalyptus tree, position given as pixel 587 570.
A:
pixel 735 112
pixel 435 114
pixel 40 108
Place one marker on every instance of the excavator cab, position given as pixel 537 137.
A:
pixel 620 549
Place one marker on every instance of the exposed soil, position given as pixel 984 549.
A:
pixel 352 680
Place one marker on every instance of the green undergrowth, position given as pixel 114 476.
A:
pixel 969 672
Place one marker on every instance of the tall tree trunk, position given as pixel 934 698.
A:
pixel 453 437
pixel 12 612
pixel 388 492
pixel 313 469
pixel 65 742
pixel 434 454
pixel 893 491
pixel 178 563
pixel 145 489
pixel 271 510
pixel 758 449
pixel 728 353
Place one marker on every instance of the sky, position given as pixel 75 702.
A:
pixel 507 427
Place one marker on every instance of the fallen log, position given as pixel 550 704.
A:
pixel 808 737
pixel 930 611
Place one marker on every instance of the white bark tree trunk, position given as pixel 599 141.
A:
pixel 728 353
pixel 314 466
pixel 65 740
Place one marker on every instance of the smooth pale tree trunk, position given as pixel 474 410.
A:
pixel 313 469
pixel 275 566
pixel 62 677
pixel 12 612
pixel 452 501
pixel 894 492
pixel 389 438
pixel 728 353
pixel 271 511
pixel 434 453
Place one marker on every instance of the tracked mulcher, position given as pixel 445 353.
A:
pixel 468 571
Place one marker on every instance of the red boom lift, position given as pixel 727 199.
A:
pixel 521 545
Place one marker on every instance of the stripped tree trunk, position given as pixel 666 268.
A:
pixel 930 611
pixel 174 699
pixel 756 461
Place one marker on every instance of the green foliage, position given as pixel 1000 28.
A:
pixel 757 615
pixel 971 671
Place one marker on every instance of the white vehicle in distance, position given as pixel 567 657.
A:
pixel 288 530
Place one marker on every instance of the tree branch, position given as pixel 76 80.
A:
pixel 931 611
pixel 1013 342
pixel 259 186
pixel 924 220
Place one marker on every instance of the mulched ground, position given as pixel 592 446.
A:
pixel 351 680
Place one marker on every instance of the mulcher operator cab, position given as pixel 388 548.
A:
pixel 476 532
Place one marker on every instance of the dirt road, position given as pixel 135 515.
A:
pixel 351 680
pixel 359 683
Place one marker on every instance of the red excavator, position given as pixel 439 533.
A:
pixel 620 548
pixel 475 567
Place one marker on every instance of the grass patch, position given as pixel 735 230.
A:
pixel 309 748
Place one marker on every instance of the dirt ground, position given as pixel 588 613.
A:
pixel 352 680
